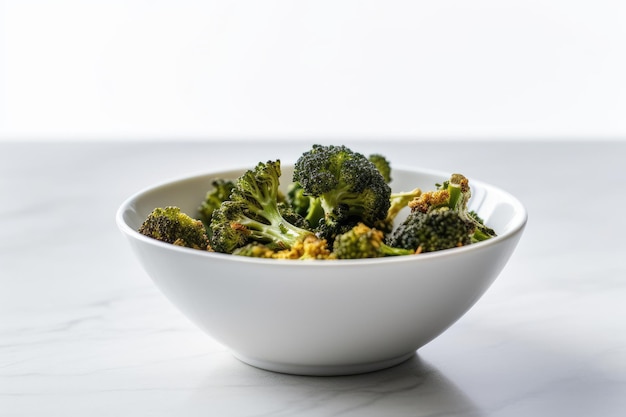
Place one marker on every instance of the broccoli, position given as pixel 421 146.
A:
pixel 171 225
pixel 304 205
pixel 429 232
pixel 214 198
pixel 454 194
pixel 254 250
pixel 349 187
pixel 309 248
pixel 382 165
pixel 297 200
pixel 440 219
pixel 253 213
pixel 338 206
pixel 364 242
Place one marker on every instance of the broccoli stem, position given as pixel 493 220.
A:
pixel 456 195
pixel 315 213
pixel 342 203
pixel 387 250
pixel 279 231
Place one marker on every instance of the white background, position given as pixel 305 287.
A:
pixel 139 69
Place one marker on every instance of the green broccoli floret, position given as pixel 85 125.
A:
pixel 382 164
pixel 304 205
pixel 309 248
pixel 364 242
pixel 297 200
pixel 440 219
pixel 349 187
pixel 255 250
pixel 253 213
pixel 171 225
pixel 432 231
pixel 214 198
pixel 454 194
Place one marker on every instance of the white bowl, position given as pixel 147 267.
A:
pixel 323 317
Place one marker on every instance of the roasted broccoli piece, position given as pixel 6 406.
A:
pixel 349 187
pixel 304 205
pixel 255 250
pixel 454 194
pixel 307 249
pixel 429 232
pixel 297 199
pixel 439 219
pixel 364 242
pixel 214 198
pixel 382 165
pixel 171 225
pixel 253 213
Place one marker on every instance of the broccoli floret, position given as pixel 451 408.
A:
pixel 171 225
pixel 255 250
pixel 253 214
pixel 214 198
pixel 297 200
pixel 330 230
pixel 304 205
pixel 364 242
pixel 382 165
pixel 440 219
pixel 349 186
pixel 454 194
pixel 310 248
pixel 431 231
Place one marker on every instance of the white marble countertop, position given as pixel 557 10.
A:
pixel 84 332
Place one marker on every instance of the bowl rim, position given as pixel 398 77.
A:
pixel 521 216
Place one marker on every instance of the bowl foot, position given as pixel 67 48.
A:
pixel 324 370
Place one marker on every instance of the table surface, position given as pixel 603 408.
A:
pixel 83 331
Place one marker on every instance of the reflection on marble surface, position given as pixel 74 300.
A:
pixel 83 331
pixel 411 388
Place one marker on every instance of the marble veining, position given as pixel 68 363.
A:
pixel 84 332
